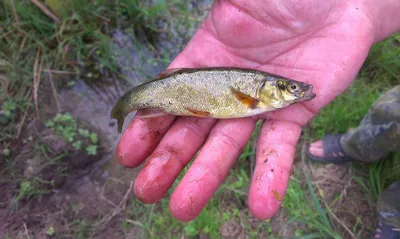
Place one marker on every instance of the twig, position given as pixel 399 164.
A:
pixel 22 123
pixel 341 223
pixel 26 231
pixel 102 194
pixel 64 54
pixel 45 10
pixel 121 207
pixel 15 12
pixel 348 184
pixel 60 72
pixel 136 223
pixel 54 92
pixel 36 81
pixel 23 44
pixel 37 75
pixel 101 17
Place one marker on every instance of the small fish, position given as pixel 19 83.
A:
pixel 218 92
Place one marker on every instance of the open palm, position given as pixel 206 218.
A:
pixel 319 42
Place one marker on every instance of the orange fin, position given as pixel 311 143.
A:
pixel 199 113
pixel 168 72
pixel 150 113
pixel 251 102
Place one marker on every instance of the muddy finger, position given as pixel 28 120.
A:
pixel 222 148
pixel 179 145
pixel 141 138
pixel 275 154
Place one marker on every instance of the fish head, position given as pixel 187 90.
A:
pixel 286 91
pixel 294 91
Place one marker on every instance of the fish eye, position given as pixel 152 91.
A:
pixel 292 87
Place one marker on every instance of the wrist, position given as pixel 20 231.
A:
pixel 385 17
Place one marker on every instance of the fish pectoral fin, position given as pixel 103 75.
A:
pixel 167 73
pixel 199 113
pixel 150 113
pixel 250 101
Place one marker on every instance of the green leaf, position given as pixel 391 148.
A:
pixel 93 138
pixel 91 149
pixel 83 132
pixel 50 231
pixel 77 145
pixel 9 105
pixel 191 230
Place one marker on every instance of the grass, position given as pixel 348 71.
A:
pixel 78 45
pixel 33 47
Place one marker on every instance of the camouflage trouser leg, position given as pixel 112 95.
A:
pixel 389 205
pixel 377 135
pixel 379 132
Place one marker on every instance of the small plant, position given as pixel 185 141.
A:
pixel 66 126
pixel 28 189
pixel 7 111
pixel 63 125
pixel 9 107
pixel 50 231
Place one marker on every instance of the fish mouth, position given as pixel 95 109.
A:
pixel 309 95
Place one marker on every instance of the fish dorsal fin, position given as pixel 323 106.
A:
pixel 199 113
pixel 168 72
pixel 250 101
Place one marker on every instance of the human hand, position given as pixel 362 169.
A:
pixel 319 42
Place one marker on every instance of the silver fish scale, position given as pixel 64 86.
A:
pixel 202 91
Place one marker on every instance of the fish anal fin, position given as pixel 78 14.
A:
pixel 168 72
pixel 250 101
pixel 199 113
pixel 150 113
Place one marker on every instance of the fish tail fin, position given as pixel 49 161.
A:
pixel 118 113
pixel 120 122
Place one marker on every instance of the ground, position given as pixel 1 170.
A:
pixel 60 178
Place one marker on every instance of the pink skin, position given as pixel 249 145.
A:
pixel 319 42
pixel 317 148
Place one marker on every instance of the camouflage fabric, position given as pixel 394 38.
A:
pixel 379 131
pixel 377 135
pixel 389 205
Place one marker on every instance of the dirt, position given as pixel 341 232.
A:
pixel 94 189
pixel 352 211
pixel 354 207
pixel 82 191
